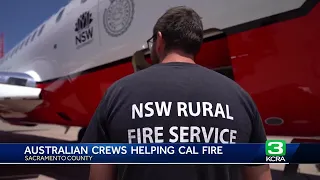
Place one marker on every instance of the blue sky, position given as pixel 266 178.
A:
pixel 19 17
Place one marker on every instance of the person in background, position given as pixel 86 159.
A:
pixel 173 101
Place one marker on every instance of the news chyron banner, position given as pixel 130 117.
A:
pixel 273 151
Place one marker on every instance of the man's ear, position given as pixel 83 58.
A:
pixel 159 43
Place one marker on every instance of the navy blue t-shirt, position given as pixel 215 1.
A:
pixel 176 103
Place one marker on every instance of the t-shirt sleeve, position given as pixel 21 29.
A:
pixel 96 131
pixel 258 134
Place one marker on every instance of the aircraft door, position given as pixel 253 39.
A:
pixel 81 47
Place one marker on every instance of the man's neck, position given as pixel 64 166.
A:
pixel 176 57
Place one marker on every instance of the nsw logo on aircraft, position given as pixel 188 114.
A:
pixel 118 16
pixel 84 30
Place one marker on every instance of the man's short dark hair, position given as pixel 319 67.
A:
pixel 182 29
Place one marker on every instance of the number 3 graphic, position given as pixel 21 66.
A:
pixel 275 146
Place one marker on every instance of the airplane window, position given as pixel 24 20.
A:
pixel 41 29
pixel 59 15
pixel 33 36
pixel 83 1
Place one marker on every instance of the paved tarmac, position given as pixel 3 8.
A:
pixel 53 133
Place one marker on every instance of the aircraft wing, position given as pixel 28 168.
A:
pixel 18 95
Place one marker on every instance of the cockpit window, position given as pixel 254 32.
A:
pixel 59 15
pixel 11 53
pixel 33 36
pixel 15 49
pixel 21 45
pixel 27 41
pixel 41 29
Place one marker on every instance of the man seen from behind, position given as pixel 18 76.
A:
pixel 176 101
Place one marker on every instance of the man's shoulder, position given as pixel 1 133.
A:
pixel 220 78
pixel 231 85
